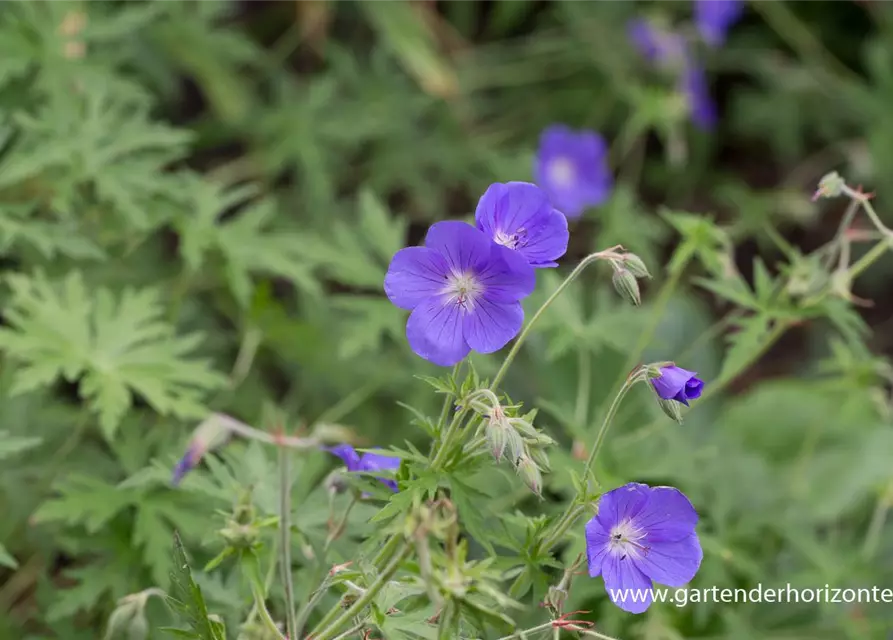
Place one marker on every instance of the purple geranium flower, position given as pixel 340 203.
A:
pixel 367 462
pixel 676 383
pixel 642 534
pixel 715 17
pixel 463 290
pixel 518 215
pixel 572 168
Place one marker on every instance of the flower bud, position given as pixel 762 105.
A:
pixel 138 629
pixel 121 617
pixel 540 458
pixel 626 285
pixel 635 265
pixel 671 408
pixel 240 536
pixel 530 474
pixel 336 483
pixel 515 444
pixel 830 186
pixel 497 438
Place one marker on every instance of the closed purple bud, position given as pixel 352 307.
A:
pixel 676 383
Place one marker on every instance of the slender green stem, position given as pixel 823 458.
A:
pixel 268 580
pixel 285 481
pixel 606 424
pixel 878 519
pixel 354 629
pixel 574 509
pixel 668 288
pixel 266 618
pixel 585 262
pixel 328 632
pixel 447 438
pixel 307 609
pixel 584 386
pixel 870 257
pixel 864 200
pixel 339 527
pixel 567 519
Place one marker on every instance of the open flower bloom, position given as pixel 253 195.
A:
pixel 572 168
pixel 518 215
pixel 676 383
pixel 463 290
pixel 715 17
pixel 366 462
pixel 642 534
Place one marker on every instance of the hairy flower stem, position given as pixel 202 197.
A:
pixel 607 254
pixel 327 631
pixel 285 481
pixel 447 439
pixel 574 509
pixel 870 257
pixel 522 634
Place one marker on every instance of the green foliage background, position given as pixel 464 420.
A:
pixel 198 203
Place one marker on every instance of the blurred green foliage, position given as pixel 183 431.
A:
pixel 198 203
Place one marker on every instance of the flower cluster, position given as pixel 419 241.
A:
pixel 465 286
pixel 670 50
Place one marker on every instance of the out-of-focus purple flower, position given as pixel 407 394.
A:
pixel 659 46
pixel 210 434
pixel 693 85
pixel 670 51
pixel 642 534
pixel 715 17
pixel 676 383
pixel 366 462
pixel 463 290
pixel 193 454
pixel 518 215
pixel 572 168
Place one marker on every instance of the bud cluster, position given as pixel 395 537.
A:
pixel 512 436
pixel 628 268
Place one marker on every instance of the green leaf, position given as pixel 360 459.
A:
pixel 468 500
pixel 366 323
pixel 117 346
pixel 744 343
pixel 186 598
pixel 249 242
pixel 358 252
pixel 97 139
pixel 6 558
pixel 13 445
pixel 84 500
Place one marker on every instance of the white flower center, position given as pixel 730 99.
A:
pixel 511 240
pixel 463 289
pixel 626 540
pixel 562 172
